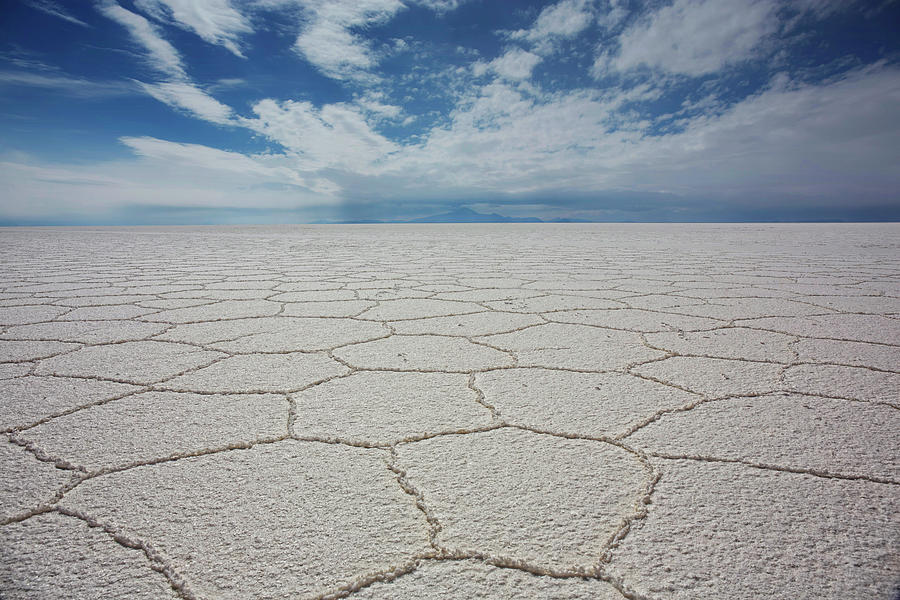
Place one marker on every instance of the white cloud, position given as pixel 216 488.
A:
pixel 561 20
pixel 823 8
pixel 179 91
pixel 216 21
pixel 790 139
pixel 372 104
pixel 71 86
pixel 190 178
pixel 227 83
pixel 337 136
pixel 613 14
pixel 196 155
pixel 696 37
pixel 821 142
pixel 54 9
pixel 189 97
pixel 502 141
pixel 440 6
pixel 334 50
pixel 515 64
pixel 162 54
pixel 507 137
pixel 564 19
pixel 328 42
pixel 55 174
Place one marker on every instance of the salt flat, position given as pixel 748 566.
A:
pixel 451 411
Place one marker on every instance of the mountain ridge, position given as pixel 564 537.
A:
pixel 460 215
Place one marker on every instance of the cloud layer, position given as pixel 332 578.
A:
pixel 216 21
pixel 587 109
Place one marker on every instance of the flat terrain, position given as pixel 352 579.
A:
pixel 457 411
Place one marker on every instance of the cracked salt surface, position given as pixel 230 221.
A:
pixel 53 556
pixel 465 579
pixel 154 425
pixel 546 501
pixel 278 520
pixel 383 408
pixel 760 533
pixel 569 412
pixel 29 400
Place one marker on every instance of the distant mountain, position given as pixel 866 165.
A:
pixel 461 215
pixel 351 222
pixel 467 215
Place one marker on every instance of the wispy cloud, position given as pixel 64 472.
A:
pixel 327 39
pixel 70 86
pixel 812 141
pixel 335 136
pixel 165 179
pixel 790 140
pixel 440 6
pixel 189 97
pixel 693 108
pixel 331 31
pixel 204 157
pixel 695 37
pixel 54 174
pixel 372 103
pixel 179 91
pixel 824 8
pixel 514 64
pixel 561 20
pixel 54 9
pixel 162 55
pixel 216 21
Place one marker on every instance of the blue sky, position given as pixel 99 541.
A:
pixel 269 111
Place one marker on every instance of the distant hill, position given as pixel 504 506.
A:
pixel 467 215
pixel 461 215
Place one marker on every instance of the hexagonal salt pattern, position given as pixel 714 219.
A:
pixel 155 425
pixel 585 404
pixel 465 579
pixel 275 334
pixel 734 342
pixel 59 557
pixel 528 411
pixel 23 350
pixel 382 408
pixel 632 319
pixel 142 362
pixel 857 354
pixel 562 346
pixel 259 373
pixel 544 500
pixel 715 377
pixel 423 353
pixel 27 483
pixel 85 332
pixel 760 533
pixel 278 520
pixel 483 323
pixel 844 382
pixel 28 400
pixel 820 435
pixel 851 327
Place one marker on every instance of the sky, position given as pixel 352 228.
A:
pixel 294 111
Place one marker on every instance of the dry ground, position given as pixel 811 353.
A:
pixel 570 412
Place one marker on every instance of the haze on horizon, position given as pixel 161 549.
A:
pixel 269 111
